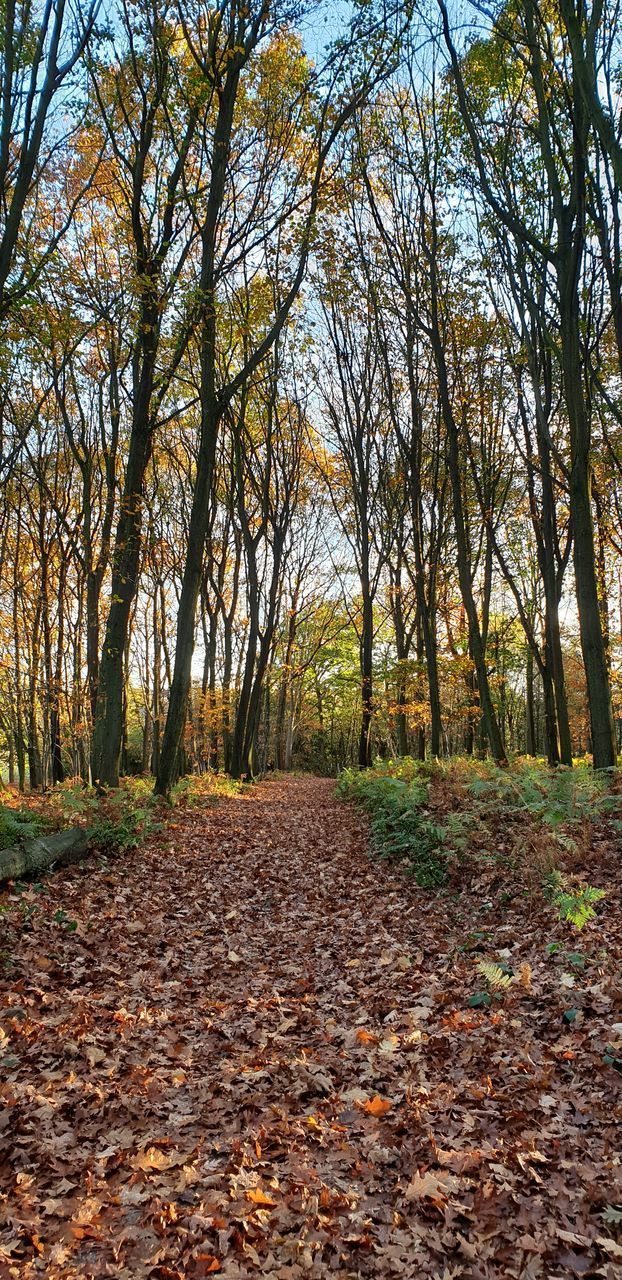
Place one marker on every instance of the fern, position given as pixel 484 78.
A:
pixel 578 907
pixel 575 906
pixel 495 977
pixel 16 825
pixel 401 829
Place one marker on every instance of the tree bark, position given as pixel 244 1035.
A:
pixel 40 852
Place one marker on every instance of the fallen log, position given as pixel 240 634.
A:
pixel 39 852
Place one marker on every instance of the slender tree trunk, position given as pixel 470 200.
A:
pixel 420 655
pixel 530 718
pixel 425 599
pixel 601 571
pixel 593 647
pixel 213 700
pixel 211 412
pixel 191 584
pixel 35 768
pixel 367 676
pixel 239 758
pixel 289 734
pixel 108 727
pixel 478 649
pixel 551 726
pixel 157 686
pixel 58 771
pixel 490 722
pixel 281 734
pixel 245 762
pixel 226 694
pixel 92 638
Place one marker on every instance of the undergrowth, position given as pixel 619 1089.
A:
pixel 117 820
pixel 402 829
pixel 450 822
pixel 18 824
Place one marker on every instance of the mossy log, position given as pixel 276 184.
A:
pixel 37 853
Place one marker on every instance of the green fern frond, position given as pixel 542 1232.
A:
pixel 578 907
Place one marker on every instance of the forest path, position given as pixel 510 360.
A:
pixel 232 1055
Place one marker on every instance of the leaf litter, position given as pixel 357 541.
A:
pixel 255 1055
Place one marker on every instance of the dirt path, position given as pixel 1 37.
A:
pixel 246 1059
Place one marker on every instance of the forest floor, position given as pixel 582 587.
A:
pixel 247 1048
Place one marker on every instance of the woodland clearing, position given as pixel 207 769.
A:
pixel 247 1048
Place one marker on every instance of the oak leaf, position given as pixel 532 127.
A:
pixel 259 1197
pixel 431 1186
pixel 206 1264
pixel 366 1037
pixel 153 1158
pixel 377 1106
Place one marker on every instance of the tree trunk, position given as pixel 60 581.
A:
pixel 593 648
pixel 367 675
pixel 157 687
pixel 530 718
pixel 490 722
pixel 226 696
pixel 186 617
pixel 36 854
pixel 108 727
pixel 281 734
pixel 58 771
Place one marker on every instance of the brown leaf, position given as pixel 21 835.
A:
pixel 432 1186
pixel 154 1158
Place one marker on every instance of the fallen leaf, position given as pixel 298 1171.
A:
pixel 366 1037
pixel 205 1264
pixel 154 1158
pixel 377 1106
pixel 431 1186
pixel 259 1197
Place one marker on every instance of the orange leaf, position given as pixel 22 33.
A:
pixel 258 1196
pixel 207 1263
pixel 366 1037
pixel 377 1106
